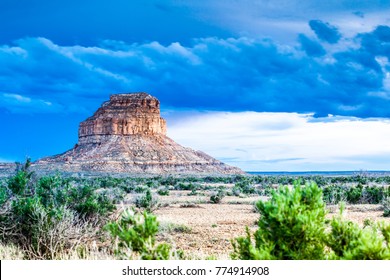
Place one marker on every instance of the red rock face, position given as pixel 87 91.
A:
pixel 127 135
pixel 124 114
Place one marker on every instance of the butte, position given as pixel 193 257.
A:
pixel 128 135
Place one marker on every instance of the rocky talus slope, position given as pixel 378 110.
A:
pixel 127 135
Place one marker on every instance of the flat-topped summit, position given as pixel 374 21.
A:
pixel 127 134
pixel 124 114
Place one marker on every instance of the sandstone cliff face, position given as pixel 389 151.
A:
pixel 124 114
pixel 127 135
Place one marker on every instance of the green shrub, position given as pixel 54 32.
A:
pixel 373 195
pixel 134 237
pixel 168 181
pixel 217 197
pixel 236 191
pixel 245 186
pixel 43 233
pixel 354 194
pixel 193 192
pixel 140 189
pixel 55 192
pixel 152 184
pixel 385 229
pixel 4 195
pixel 19 183
pixel 249 189
pixel 175 228
pixel 88 203
pixel 127 188
pixel 185 187
pixel 46 217
pixel 386 206
pixel 292 225
pixel 146 201
pixel 52 191
pixel 163 191
pixel 114 194
pixel 334 194
pixel 24 210
pixel 349 242
pixel 264 190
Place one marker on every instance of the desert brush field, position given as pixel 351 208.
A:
pixel 229 217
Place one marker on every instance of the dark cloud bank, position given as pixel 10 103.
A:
pixel 322 73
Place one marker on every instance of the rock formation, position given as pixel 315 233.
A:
pixel 127 135
pixel 7 168
pixel 124 114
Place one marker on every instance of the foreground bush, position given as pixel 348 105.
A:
pixel 349 242
pixel 47 217
pixel 292 226
pixel 386 206
pixel 134 237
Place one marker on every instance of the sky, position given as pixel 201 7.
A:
pixel 263 85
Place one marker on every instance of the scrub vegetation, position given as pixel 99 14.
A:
pixel 62 217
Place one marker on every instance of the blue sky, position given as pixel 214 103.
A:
pixel 323 64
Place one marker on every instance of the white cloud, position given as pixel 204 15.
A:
pixel 16 97
pixel 18 103
pixel 213 73
pixel 283 19
pixel 287 141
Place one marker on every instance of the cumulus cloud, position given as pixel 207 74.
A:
pixel 350 77
pixel 325 31
pixel 287 141
pixel 283 20
pixel 377 42
pixel 311 47
pixel 64 22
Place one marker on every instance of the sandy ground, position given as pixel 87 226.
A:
pixel 202 229
pixel 209 228
pixel 358 213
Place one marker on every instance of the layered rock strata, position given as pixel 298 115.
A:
pixel 127 135
pixel 7 169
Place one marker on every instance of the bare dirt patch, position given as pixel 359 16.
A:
pixel 358 213
pixel 213 226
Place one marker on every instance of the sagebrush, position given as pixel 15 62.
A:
pixel 292 226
